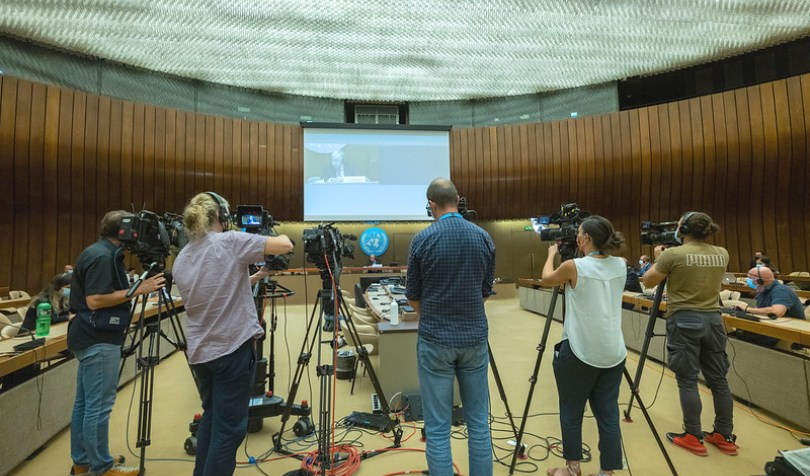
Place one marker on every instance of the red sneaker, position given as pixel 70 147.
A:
pixel 724 443
pixel 689 441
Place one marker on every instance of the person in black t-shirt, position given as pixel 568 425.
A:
pixel 58 295
pixel 99 282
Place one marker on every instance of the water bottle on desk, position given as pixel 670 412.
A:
pixel 43 319
pixel 393 313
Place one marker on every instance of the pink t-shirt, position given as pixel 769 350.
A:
pixel 212 276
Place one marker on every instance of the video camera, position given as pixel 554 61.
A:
pixel 464 210
pixel 255 219
pixel 325 246
pixel 659 233
pixel 150 236
pixel 562 227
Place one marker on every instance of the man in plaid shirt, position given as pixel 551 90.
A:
pixel 451 268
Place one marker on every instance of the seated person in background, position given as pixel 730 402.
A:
pixel 58 295
pixel 765 262
pixel 632 283
pixel 68 268
pixel 372 260
pixel 644 264
pixel 773 297
pixel 758 254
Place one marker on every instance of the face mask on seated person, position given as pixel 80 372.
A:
pixel 750 282
pixel 66 292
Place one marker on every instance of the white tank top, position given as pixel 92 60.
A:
pixel 593 312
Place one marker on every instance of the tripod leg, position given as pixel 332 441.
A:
pixel 362 354
pixel 135 336
pixel 634 390
pixel 533 379
pixel 147 365
pixel 502 393
pixel 303 361
pixel 645 347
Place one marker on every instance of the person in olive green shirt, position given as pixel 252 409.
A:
pixel 696 336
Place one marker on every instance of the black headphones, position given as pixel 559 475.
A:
pixel 760 281
pixel 224 215
pixel 685 229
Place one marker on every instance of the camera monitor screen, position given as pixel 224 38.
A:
pixel 249 220
pixel 371 173
pixel 540 223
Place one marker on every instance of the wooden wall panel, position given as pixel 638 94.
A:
pixel 66 157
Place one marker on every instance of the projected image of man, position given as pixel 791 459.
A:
pixel 337 169
pixel 451 268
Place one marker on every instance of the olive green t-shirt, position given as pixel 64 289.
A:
pixel 695 273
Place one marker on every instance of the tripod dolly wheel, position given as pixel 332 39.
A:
pixel 303 427
pixel 190 445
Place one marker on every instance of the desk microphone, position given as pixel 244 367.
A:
pixel 33 344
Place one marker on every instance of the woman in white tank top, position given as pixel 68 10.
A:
pixel 589 361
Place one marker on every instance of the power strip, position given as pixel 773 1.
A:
pixel 375 404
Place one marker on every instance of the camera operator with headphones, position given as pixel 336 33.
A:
pixel 212 276
pixel 589 360
pixel 696 335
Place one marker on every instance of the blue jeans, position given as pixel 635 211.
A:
pixel 438 365
pixel 96 382
pixel 577 383
pixel 224 387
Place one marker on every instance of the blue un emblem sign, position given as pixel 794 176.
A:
pixel 374 241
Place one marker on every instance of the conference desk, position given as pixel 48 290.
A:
pixel 772 379
pixel 306 283
pixel 21 406
pixel 783 328
pixel 378 302
pixel 55 344
pixel 748 292
pixel 398 372
pixel 787 278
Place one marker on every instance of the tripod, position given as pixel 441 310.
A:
pixel 533 379
pixel 149 331
pixel 655 312
pixel 330 293
pixel 265 404
pixel 520 449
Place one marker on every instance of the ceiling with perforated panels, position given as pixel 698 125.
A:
pixel 412 50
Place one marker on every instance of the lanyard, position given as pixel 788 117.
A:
pixel 451 214
pixel 595 252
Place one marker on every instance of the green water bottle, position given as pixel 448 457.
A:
pixel 43 319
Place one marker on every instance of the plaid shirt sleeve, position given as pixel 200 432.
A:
pixel 413 289
pixel 489 277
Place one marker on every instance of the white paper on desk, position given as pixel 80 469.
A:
pixel 799 459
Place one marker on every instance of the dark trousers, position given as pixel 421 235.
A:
pixel 224 387
pixel 578 383
pixel 696 342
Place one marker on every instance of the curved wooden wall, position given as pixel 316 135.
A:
pixel 741 156
pixel 66 157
